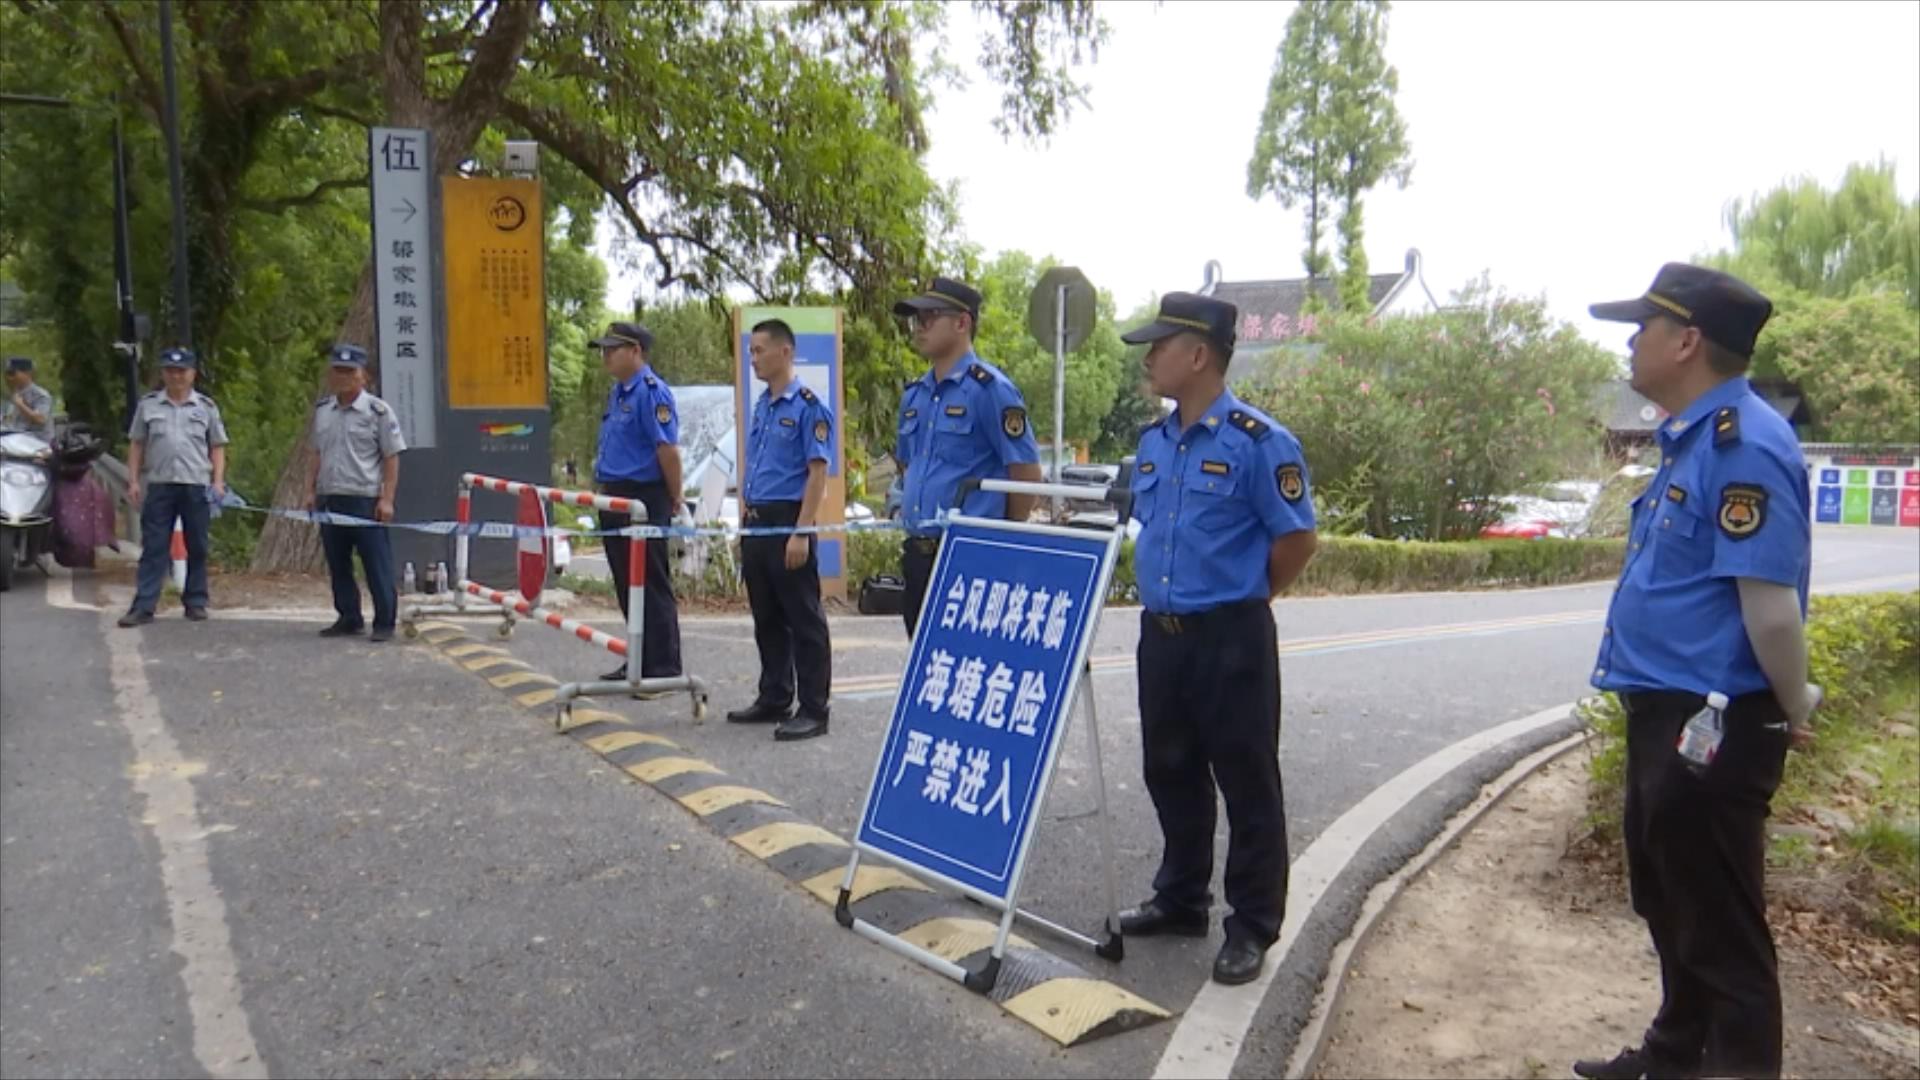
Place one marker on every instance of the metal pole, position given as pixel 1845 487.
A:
pixel 182 291
pixel 123 273
pixel 1059 392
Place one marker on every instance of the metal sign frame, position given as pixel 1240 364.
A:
pixel 1080 669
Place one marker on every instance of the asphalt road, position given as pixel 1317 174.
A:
pixel 412 876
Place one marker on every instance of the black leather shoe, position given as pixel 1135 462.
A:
pixel 136 618
pixel 1153 918
pixel 1632 1063
pixel 1240 961
pixel 757 713
pixel 341 629
pixel 381 633
pixel 196 614
pixel 800 727
pixel 618 674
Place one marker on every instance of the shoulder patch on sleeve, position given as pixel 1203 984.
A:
pixel 663 412
pixel 1013 421
pixel 1726 426
pixel 980 374
pixel 1292 487
pixel 1249 424
pixel 1743 509
pixel 820 430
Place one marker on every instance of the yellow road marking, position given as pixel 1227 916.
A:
pixel 658 769
pixel 471 647
pixel 535 698
pixel 486 662
pixel 866 881
pixel 620 740
pixel 953 938
pixel 436 624
pixel 441 637
pixel 517 678
pixel 709 801
pixel 1067 1008
pixel 769 840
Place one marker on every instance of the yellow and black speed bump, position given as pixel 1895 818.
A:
pixel 1056 996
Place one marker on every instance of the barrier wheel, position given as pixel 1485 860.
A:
pixel 699 708
pixel 410 630
pixel 562 717
pixel 506 629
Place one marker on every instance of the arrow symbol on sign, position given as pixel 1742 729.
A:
pixel 407 206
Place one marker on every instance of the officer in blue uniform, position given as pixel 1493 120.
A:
pixel 1711 599
pixel 1226 514
pixel 788 447
pixel 639 458
pixel 962 419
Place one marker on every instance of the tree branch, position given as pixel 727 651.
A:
pixel 281 205
pixel 149 86
pixel 496 60
pixel 602 162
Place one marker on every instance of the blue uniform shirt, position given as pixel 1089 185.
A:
pixel 973 423
pixel 788 432
pixel 1729 501
pixel 640 418
pixel 1211 501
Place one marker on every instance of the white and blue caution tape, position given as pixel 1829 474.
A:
pixel 507 530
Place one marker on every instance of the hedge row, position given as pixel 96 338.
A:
pixel 1357 565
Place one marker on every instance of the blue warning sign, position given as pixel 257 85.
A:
pixel 1002 639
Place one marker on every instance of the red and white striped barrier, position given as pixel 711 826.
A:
pixel 510 605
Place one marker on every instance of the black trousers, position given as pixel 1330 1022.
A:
pixel 375 546
pixel 789 627
pixel 917 554
pixel 660 622
pixel 1696 860
pixel 1210 720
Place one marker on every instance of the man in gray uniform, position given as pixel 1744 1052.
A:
pixel 178 450
pixel 356 470
pixel 28 406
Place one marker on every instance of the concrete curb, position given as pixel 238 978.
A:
pixel 1308 1048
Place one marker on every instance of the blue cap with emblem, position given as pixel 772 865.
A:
pixel 1184 313
pixel 624 333
pixel 19 363
pixel 944 294
pixel 178 357
pixel 1728 311
pixel 344 355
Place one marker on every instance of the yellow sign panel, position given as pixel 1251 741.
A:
pixel 495 276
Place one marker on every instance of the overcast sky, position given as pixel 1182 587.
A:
pixel 1566 148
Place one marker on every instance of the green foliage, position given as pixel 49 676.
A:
pixel 1857 358
pixel 1427 420
pixel 1859 237
pixel 1096 371
pixel 1611 514
pixel 1330 131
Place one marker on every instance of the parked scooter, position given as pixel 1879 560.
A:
pixel 29 525
pixel 26 503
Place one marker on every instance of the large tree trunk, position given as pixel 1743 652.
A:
pixel 294 546
pixel 287 545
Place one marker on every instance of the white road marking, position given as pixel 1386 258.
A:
pixel 222 1040
pixel 1207 1041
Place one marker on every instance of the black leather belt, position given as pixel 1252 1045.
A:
pixel 924 545
pixel 1187 624
pixel 775 513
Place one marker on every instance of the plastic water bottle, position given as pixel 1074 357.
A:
pixel 440 580
pixel 1699 741
pixel 406 580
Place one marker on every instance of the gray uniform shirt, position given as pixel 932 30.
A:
pixel 179 438
pixel 37 399
pixel 352 441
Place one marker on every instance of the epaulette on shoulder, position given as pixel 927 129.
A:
pixel 322 400
pixel 1250 424
pixel 652 383
pixel 209 400
pixel 379 407
pixel 1726 427
pixel 808 396
pixel 980 374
